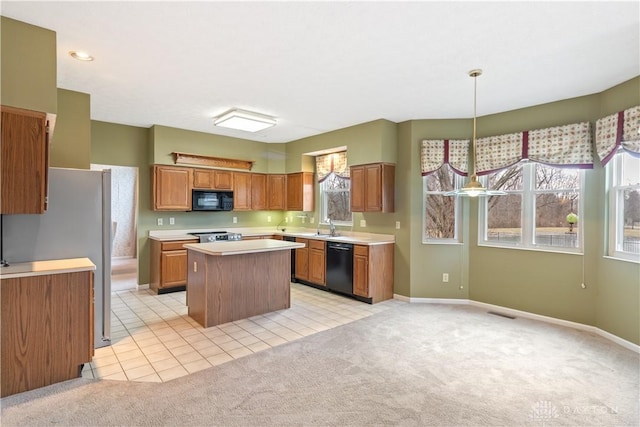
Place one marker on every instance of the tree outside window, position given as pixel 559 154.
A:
pixel 624 206
pixel 335 199
pixel 540 209
pixel 441 212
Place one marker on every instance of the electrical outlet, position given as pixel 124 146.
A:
pixel 363 223
pixel 445 277
pixel 312 220
pixel 235 219
pixel 172 221
pixel 268 218
pixel 286 219
pixel 397 225
pixel 159 221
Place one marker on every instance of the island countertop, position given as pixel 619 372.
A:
pixel 243 247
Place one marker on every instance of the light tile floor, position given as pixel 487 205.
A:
pixel 154 340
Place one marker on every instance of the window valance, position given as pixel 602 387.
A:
pixel 568 145
pixel 333 162
pixel 618 130
pixel 436 152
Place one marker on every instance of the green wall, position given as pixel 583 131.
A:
pixel 71 142
pixel 28 66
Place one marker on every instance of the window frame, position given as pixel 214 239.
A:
pixel 322 212
pixel 458 223
pixel 615 209
pixel 528 213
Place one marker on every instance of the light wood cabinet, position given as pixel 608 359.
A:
pixel 168 265
pixel 372 187
pixel 300 194
pixel 373 272
pixel 302 260
pixel 276 191
pixel 171 188
pixel 241 191
pixel 46 330
pixel 258 191
pixel 212 179
pixel 317 262
pixel 24 156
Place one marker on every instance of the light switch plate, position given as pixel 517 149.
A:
pixel 235 219
pixel 397 225
pixel 160 221
pixel 363 223
pixel 172 221
pixel 268 218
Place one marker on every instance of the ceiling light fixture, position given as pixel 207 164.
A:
pixel 473 188
pixel 244 120
pixel 80 55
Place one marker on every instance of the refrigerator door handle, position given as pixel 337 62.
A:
pixel 107 240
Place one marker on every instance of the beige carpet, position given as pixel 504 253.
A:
pixel 413 365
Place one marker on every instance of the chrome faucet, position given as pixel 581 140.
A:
pixel 332 227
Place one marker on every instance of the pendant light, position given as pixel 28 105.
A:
pixel 473 188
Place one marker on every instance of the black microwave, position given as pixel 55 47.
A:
pixel 206 200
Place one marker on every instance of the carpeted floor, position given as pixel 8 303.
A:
pixel 413 365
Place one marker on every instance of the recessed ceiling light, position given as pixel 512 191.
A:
pixel 244 120
pixel 80 55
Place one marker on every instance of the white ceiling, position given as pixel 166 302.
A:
pixel 321 66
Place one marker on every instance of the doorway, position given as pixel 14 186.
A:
pixel 124 229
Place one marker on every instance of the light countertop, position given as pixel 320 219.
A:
pixel 41 268
pixel 243 247
pixel 357 238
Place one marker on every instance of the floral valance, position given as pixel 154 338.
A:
pixel 568 145
pixel 436 152
pixel 621 129
pixel 333 162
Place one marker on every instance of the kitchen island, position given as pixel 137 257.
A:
pixel 228 281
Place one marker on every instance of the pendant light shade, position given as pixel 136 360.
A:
pixel 473 188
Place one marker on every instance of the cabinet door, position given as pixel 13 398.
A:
pixel 277 185
pixel 317 262
pixel 373 188
pixel 174 268
pixel 300 194
pixel 222 180
pixel 357 190
pixel 203 178
pixel 302 260
pixel 361 271
pixel 241 191
pixel 172 188
pixel 25 161
pixel 258 191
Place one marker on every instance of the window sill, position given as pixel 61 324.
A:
pixel 442 242
pixel 534 249
pixel 614 258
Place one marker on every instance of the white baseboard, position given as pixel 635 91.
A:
pixel 143 286
pixel 525 314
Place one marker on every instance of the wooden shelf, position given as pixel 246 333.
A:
pixel 218 162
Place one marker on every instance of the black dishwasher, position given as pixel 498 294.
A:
pixel 339 275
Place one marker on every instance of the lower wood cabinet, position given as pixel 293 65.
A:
pixel 317 262
pixel 373 272
pixel 168 265
pixel 302 260
pixel 46 332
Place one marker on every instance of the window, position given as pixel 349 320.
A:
pixel 541 209
pixel 441 213
pixel 335 200
pixel 623 185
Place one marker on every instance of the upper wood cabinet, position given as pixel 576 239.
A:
pixel 172 188
pixel 372 187
pixel 241 191
pixel 258 191
pixel 24 156
pixel 212 179
pixel 277 191
pixel 300 195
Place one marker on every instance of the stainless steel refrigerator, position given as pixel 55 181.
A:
pixel 77 224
